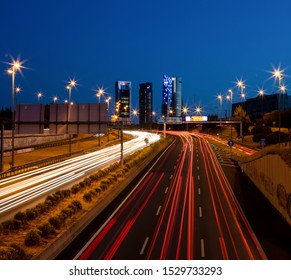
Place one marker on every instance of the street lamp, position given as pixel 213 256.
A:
pixel 55 99
pixel 220 102
pixel 100 92
pixel 278 75
pixel 108 101
pixel 261 94
pixel 39 96
pixel 231 93
pixel 198 110
pixel 16 65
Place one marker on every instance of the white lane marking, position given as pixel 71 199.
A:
pixel 144 246
pixel 197 167
pixel 198 177
pixel 199 191
pixel 171 177
pixel 166 190
pixel 200 212
pixel 202 248
pixel 158 211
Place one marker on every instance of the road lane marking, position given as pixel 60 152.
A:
pixel 198 177
pixel 202 248
pixel 199 191
pixel 200 212
pixel 197 167
pixel 144 246
pixel 171 177
pixel 159 209
pixel 166 190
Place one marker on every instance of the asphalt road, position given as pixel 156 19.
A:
pixel 181 208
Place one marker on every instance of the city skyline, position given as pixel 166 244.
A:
pixel 210 45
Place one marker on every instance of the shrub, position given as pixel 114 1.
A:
pixel 87 197
pixel 98 190
pixel 77 204
pixel 75 189
pixel 55 221
pixel 87 182
pixel 12 224
pixel 20 216
pixel 12 252
pixel 32 239
pixel 31 214
pixel 46 229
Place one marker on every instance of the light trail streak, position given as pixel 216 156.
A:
pixel 24 187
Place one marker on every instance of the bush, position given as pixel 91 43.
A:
pixel 11 225
pixel 32 239
pixel 12 252
pixel 46 229
pixel 20 216
pixel 75 189
pixel 77 204
pixel 55 221
pixel 31 214
pixel 87 197
pixel 87 182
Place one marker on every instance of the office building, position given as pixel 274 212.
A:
pixel 177 96
pixel 263 104
pixel 145 103
pixel 122 100
pixel 167 95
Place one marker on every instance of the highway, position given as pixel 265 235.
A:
pixel 182 207
pixel 24 188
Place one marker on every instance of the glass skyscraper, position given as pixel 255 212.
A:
pixel 145 103
pixel 122 100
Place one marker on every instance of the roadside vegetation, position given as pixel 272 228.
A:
pixel 32 230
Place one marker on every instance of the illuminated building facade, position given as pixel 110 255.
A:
pixel 167 95
pixel 122 100
pixel 172 96
pixel 145 103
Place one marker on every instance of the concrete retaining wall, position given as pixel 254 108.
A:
pixel 272 176
pixel 29 140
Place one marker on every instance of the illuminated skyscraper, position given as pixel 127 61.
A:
pixel 122 100
pixel 172 96
pixel 167 95
pixel 145 103
pixel 177 96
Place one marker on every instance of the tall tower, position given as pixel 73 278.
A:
pixel 177 96
pixel 167 95
pixel 145 103
pixel 122 100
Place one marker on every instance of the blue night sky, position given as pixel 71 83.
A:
pixel 210 44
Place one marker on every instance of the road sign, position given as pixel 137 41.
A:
pixel 230 143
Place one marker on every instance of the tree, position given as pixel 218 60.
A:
pixel 240 115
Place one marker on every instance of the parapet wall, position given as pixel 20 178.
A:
pixel 272 176
pixel 30 140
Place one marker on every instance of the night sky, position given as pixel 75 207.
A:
pixel 210 44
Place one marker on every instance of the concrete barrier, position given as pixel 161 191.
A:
pixel 272 176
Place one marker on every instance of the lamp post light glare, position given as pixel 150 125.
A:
pixel 100 92
pixel 220 102
pixel 277 74
pixel 16 65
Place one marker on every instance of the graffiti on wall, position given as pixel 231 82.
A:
pixel 284 199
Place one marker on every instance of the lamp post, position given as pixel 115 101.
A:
pixel 100 92
pixel 261 94
pixel 230 94
pixel 220 102
pixel 39 96
pixel 278 75
pixel 16 66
